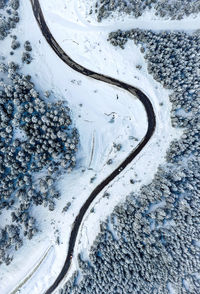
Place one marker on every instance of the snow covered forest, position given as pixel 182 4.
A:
pixel 154 244
pixel 37 143
pixel 61 135
pixel 172 9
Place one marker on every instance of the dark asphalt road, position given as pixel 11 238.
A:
pixel 151 127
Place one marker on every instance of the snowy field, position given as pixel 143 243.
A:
pixel 103 115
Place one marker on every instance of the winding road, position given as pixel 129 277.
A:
pixel 109 80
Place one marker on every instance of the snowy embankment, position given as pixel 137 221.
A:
pixel 104 115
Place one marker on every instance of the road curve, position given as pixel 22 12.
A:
pixel 109 80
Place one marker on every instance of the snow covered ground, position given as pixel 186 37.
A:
pixel 103 115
